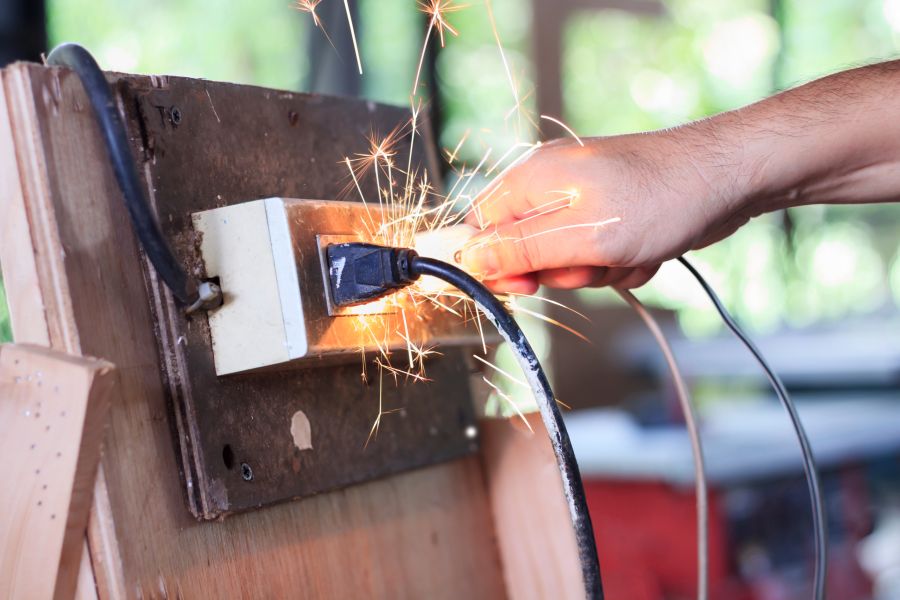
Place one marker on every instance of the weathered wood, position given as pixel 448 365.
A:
pixel 230 144
pixel 427 533
pixel 53 409
pixel 531 519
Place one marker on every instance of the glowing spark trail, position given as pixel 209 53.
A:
pixel 437 9
pixel 566 127
pixel 353 36
pixel 503 395
pixel 408 205
pixel 509 76
pixel 310 6
pixel 596 225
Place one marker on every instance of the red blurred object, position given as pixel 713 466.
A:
pixel 646 535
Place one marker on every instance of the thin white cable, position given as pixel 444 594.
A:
pixel 690 418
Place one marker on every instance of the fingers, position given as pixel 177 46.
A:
pixel 520 284
pixel 503 201
pixel 636 278
pixel 569 278
pixel 554 241
pixel 504 198
pixel 539 181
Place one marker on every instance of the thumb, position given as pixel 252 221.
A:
pixel 547 242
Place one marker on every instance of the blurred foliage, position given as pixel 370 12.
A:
pixel 622 72
pixel 475 87
pixel 389 48
pixel 625 72
pixel 259 42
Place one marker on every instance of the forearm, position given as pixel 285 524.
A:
pixel 834 140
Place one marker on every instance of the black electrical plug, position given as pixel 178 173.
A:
pixel 361 272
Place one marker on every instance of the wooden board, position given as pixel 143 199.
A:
pixel 231 144
pixel 536 539
pixel 53 410
pixel 427 533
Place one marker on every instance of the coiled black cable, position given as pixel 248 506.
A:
pixel 820 531
pixel 115 139
pixel 559 437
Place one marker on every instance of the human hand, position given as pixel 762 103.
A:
pixel 607 213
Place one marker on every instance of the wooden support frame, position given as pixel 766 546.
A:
pixel 52 420
pixel 74 278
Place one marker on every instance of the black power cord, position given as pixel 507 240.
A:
pixel 361 272
pixel 115 139
pixel 820 531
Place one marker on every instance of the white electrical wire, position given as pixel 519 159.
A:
pixel 690 418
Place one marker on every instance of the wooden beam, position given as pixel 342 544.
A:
pixel 53 411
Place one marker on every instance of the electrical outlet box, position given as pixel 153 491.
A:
pixel 269 257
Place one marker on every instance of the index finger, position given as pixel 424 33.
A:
pixel 503 199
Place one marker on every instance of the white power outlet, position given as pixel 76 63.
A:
pixel 268 256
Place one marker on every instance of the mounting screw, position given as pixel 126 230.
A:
pixel 293 118
pixel 246 472
pixel 175 115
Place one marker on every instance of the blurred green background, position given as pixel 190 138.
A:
pixel 622 72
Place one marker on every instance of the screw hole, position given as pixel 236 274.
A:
pixel 246 472
pixel 228 457
pixel 175 115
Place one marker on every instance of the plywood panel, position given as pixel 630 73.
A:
pixel 52 413
pixel 426 533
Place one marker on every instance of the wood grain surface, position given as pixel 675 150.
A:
pixel 53 409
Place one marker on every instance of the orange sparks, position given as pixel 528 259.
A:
pixel 437 10
pixel 411 205
pixel 564 126
pixel 310 6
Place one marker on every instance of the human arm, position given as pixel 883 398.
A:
pixel 610 212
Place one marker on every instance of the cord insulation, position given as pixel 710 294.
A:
pixel 691 422
pixel 820 531
pixel 115 140
pixel 494 310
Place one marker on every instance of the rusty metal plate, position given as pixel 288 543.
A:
pixel 208 145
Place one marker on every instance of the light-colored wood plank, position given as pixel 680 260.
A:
pixel 52 413
pixel 531 518
pixel 31 263
pixel 426 533
pixel 17 264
